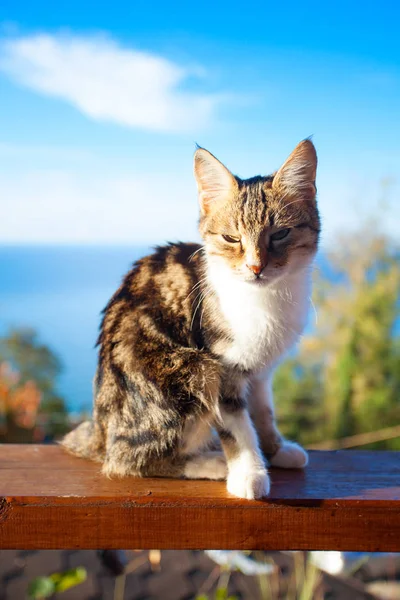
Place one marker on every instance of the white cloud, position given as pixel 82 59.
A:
pixel 108 82
pixel 60 206
pixel 93 206
pixel 72 195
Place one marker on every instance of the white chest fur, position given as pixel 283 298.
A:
pixel 265 321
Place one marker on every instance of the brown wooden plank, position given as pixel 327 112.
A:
pixel 344 500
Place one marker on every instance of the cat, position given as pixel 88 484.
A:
pixel 189 342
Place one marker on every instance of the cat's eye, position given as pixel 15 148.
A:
pixel 280 235
pixel 231 239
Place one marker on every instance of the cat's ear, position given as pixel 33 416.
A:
pixel 214 181
pixel 297 175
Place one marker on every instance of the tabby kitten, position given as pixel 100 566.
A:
pixel 190 340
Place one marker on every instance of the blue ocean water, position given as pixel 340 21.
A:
pixel 60 292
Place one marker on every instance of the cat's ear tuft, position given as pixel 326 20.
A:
pixel 297 175
pixel 214 181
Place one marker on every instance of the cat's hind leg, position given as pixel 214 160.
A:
pixel 86 441
pixel 172 453
pixel 201 458
pixel 289 456
pixel 206 465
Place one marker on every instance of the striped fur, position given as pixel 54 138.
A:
pixel 189 341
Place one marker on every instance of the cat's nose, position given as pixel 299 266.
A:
pixel 255 268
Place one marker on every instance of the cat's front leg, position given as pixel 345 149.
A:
pixel 278 451
pixel 247 473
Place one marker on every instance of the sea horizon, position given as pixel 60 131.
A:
pixel 60 291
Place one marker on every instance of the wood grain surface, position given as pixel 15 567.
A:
pixel 345 500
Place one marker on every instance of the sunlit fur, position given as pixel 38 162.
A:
pixel 266 312
pixel 190 340
pixel 252 210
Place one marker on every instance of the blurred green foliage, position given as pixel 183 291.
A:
pixel 345 378
pixel 30 406
pixel 45 587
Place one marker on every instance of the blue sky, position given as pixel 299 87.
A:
pixel 101 104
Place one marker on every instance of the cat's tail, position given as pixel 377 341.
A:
pixel 85 441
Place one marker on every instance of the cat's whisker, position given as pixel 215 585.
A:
pixel 198 296
pixel 201 317
pixel 195 311
pixel 196 286
pixel 203 295
pixel 204 308
pixel 198 293
pixel 195 252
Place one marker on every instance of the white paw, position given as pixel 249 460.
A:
pixel 290 456
pixel 249 485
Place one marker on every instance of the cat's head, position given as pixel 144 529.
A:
pixel 260 228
